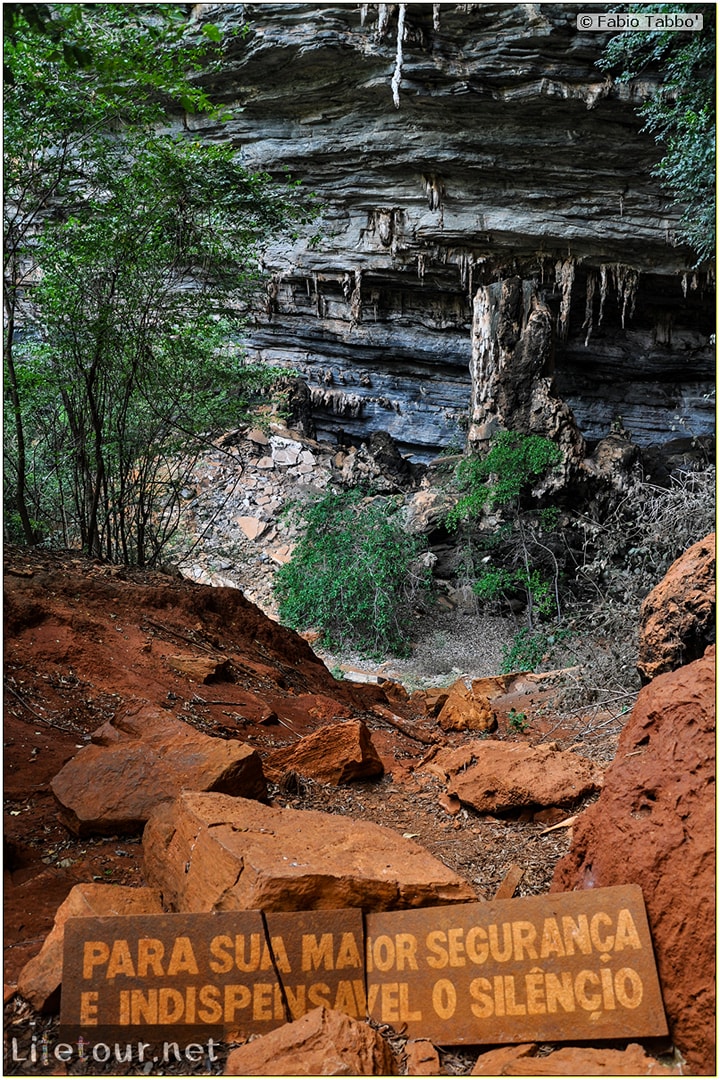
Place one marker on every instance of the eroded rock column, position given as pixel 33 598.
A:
pixel 511 369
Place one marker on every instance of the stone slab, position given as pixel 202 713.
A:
pixel 40 979
pixel 207 850
pixel 139 761
pixel 574 966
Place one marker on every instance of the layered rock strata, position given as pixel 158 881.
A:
pixel 455 147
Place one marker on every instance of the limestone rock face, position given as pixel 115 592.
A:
pixel 654 826
pixel 333 755
pixel 141 760
pixel 677 619
pixel 509 155
pixel 40 978
pixel 321 1043
pixel 497 777
pixel 209 852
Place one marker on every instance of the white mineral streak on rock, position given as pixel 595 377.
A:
pixel 397 74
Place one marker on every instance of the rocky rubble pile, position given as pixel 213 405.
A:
pixel 234 531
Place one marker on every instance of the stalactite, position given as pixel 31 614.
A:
pixel 337 401
pixel 626 281
pixel 465 262
pixel 271 296
pixel 626 284
pixel 436 17
pixel 397 74
pixel 356 299
pixel 603 293
pixel 421 266
pixel 319 300
pixel 383 19
pixel 434 189
pixel 589 303
pixel 564 277
pixel 384 222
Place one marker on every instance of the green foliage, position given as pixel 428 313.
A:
pixel 518 721
pixel 353 574
pixel 513 463
pixel 521 557
pixel 681 115
pixel 529 648
pixel 495 582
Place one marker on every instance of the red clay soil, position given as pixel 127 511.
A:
pixel 86 641
pixel 83 642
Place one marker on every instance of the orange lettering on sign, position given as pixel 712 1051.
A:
pixel 88 1008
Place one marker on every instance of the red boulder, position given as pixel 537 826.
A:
pixel 654 825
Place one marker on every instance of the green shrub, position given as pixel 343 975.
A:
pixel 529 649
pixel 522 559
pixel 512 464
pixel 354 574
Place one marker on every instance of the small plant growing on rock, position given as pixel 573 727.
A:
pixel 518 721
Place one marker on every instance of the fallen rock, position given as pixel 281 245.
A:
pixel 202 669
pixel 421 1058
pixel 576 1061
pixel 321 1043
pixel 40 979
pixel 497 1062
pixel 210 852
pixel 466 710
pixel 252 527
pixel 493 686
pixel 677 619
pixel 654 826
pixel 333 755
pixel 429 701
pixel 138 761
pixel 450 804
pixel 496 777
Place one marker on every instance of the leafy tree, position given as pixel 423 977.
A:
pixel 353 574
pixel 681 115
pixel 129 258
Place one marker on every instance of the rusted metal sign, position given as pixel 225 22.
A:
pixel 546 968
pixel 168 977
